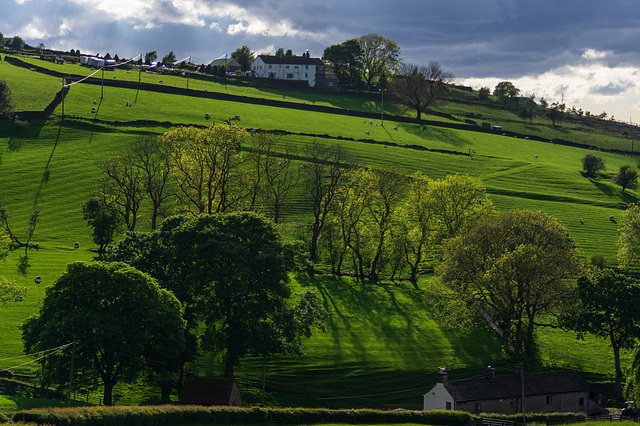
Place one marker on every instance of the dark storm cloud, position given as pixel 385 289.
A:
pixel 470 37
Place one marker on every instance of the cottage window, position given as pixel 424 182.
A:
pixel 289 75
pixel 513 403
pixel 549 399
pixel 581 401
pixel 306 75
pixel 287 67
pixel 306 67
pixel 478 406
pixel 448 405
pixel 296 67
pixel 269 65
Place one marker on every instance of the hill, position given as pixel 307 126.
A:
pixel 382 345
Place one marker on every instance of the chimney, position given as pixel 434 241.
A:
pixel 518 369
pixel 441 376
pixel 491 372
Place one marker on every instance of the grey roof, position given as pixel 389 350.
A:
pixel 502 387
pixel 222 61
pixel 290 60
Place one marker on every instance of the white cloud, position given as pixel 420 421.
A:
pixel 594 87
pixel 33 30
pixel 594 54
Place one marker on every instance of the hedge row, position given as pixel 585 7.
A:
pixel 174 415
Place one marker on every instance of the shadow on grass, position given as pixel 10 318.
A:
pixel 438 134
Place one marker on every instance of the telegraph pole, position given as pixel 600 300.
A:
pixel 382 106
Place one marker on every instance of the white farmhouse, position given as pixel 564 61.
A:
pixel 294 68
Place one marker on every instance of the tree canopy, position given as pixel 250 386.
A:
pixel 627 177
pixel 629 236
pixel 118 319
pixel 6 101
pixel 230 271
pixel 514 266
pixel 169 59
pixel 380 55
pixel 506 89
pixel 244 56
pixel 345 58
pixel 592 165
pixel 607 306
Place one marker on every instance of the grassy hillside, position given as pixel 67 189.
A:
pixel 382 345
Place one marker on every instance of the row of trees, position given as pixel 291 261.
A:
pixel 371 221
pixel 215 282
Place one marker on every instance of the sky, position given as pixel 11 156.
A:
pixel 583 52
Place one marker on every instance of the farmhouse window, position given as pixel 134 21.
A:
pixel 581 401
pixel 289 75
pixel 448 405
pixel 550 399
pixel 513 403
pixel 478 406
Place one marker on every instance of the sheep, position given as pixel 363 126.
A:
pixel 95 101
pixel 77 244
pixel 611 217
pixel 93 109
pixel 160 81
pixel 38 279
pixel 526 138
pixel 367 132
pixel 364 121
pixel 580 220
pixel 371 122
pixel 114 77
pixel 395 128
pixel 536 155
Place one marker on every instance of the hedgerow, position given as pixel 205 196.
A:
pixel 172 415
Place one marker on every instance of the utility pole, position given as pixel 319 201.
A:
pixel 140 70
pixel 102 84
pixel 382 106
pixel 62 94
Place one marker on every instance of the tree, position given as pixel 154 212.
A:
pixel 16 43
pixel 420 86
pixel 322 176
pixel 483 93
pixel 121 187
pixel 345 57
pixel 607 306
pixel 6 101
pixel 40 48
pixel 379 55
pixel 9 237
pixel 417 224
pixel 115 318
pixel 458 203
pixel 505 89
pixel 156 171
pixel 150 57
pixel 629 236
pixel 244 56
pixel 1 40
pixel 10 291
pixel 169 59
pixel 280 52
pixel 626 177
pixel 516 267
pixel 592 164
pixel 231 272
pixel 204 164
pixel 105 220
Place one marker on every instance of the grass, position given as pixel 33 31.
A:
pixel 382 344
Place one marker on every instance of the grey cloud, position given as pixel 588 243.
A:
pixel 613 88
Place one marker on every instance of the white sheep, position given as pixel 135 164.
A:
pixel 93 109
pixel 367 132
pixel 395 128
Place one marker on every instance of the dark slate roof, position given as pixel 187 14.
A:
pixel 201 391
pixel 290 60
pixel 502 387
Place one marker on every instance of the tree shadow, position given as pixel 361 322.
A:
pixel 47 170
pixel 23 264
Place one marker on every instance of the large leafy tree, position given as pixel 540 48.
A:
pixel 345 58
pixel 230 272
pixel 244 56
pixel 629 236
pixel 607 306
pixel 118 319
pixel 150 57
pixel 626 177
pixel 169 59
pixel 380 55
pixel 506 89
pixel 515 266
pixel 420 86
pixel 592 164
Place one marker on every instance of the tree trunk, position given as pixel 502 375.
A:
pixel 108 392
pixel 228 370
pixel 617 388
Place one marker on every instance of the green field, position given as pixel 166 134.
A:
pixel 382 344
